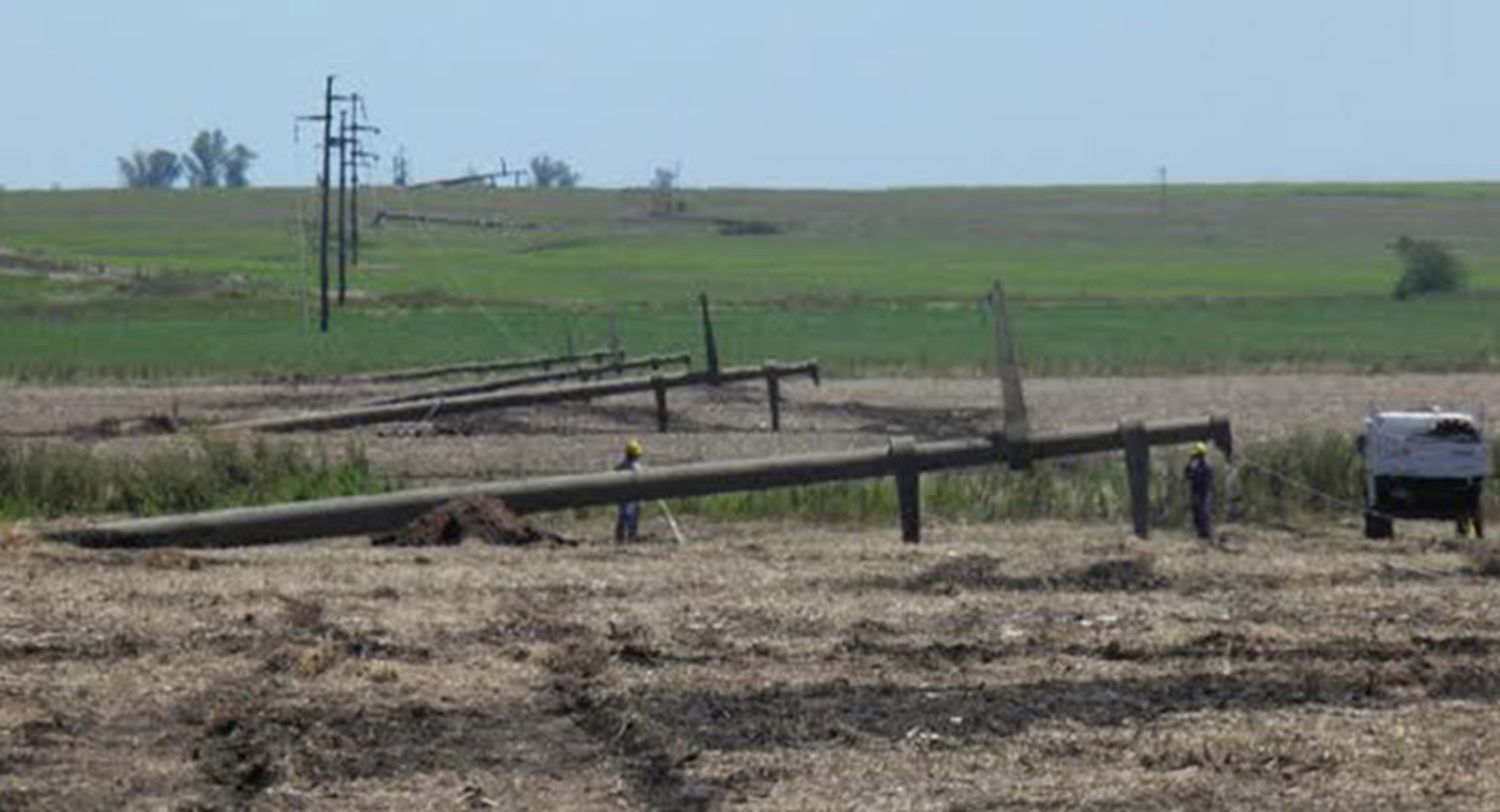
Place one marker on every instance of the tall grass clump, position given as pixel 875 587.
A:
pixel 1302 474
pixel 50 479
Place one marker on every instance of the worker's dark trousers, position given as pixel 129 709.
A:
pixel 1203 515
pixel 628 521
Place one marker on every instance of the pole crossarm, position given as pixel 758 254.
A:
pixel 357 515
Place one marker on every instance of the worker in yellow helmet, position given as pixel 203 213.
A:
pixel 628 519
pixel 1200 478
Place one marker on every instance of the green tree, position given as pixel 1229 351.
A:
pixel 237 166
pixel 548 172
pixel 210 162
pixel 1427 266
pixel 205 159
pixel 158 169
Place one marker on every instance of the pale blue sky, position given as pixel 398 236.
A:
pixel 816 93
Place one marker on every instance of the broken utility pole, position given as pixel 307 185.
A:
pixel 1016 426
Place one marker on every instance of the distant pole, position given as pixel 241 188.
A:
pixel 323 226
pixel 710 345
pixel 343 142
pixel 1161 196
pixel 323 182
pixel 357 155
pixel 354 156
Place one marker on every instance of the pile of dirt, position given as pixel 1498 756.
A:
pixel 976 571
pixel 486 519
pixel 1115 575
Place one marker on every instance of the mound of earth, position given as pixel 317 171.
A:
pixel 483 518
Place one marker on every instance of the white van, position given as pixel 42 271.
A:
pixel 1424 465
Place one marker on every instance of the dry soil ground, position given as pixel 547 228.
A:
pixel 760 667
pixel 1002 667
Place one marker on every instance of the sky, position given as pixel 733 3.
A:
pixel 772 93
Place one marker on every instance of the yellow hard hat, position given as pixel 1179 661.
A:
pixel 1200 449
pixel 633 448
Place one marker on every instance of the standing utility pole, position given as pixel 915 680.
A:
pixel 343 142
pixel 327 118
pixel 350 156
pixel 356 157
pixel 1161 197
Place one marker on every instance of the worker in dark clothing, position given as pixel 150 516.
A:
pixel 1200 478
pixel 628 519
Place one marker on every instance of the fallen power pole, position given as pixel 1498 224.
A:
pixel 382 216
pixel 462 180
pixel 903 459
pixel 541 362
pixel 427 409
pixel 585 373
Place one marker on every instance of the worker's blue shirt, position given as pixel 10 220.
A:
pixel 1200 476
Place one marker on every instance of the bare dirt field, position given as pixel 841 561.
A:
pixel 1010 666
pixel 1041 666
pixel 727 422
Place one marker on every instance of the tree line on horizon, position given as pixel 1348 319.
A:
pixel 208 163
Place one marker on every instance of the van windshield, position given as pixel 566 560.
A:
pixel 1461 430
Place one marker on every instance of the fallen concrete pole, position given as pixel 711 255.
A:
pixel 359 515
pixel 585 373
pixel 384 216
pixel 541 362
pixel 428 409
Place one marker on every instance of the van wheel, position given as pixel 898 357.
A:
pixel 1378 527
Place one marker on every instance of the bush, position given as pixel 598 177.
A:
pixel 1427 267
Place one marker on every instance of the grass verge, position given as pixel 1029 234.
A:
pixel 53 479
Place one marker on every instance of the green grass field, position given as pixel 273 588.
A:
pixel 1104 279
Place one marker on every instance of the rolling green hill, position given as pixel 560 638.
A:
pixel 1105 279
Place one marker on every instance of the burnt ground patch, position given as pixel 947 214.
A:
pixel 248 741
pixel 1417 653
pixel 979 571
pixel 1246 647
pixel 647 756
pixel 839 712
